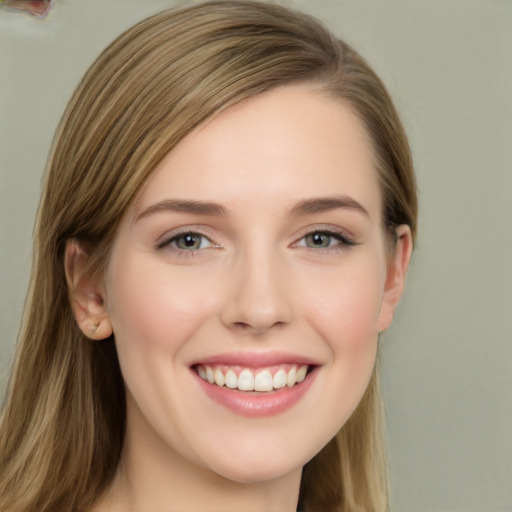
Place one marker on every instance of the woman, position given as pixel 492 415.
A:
pixel 226 223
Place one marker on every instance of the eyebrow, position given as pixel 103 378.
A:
pixel 185 206
pixel 304 207
pixel 324 204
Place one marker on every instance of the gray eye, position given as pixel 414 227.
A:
pixel 189 241
pixel 318 240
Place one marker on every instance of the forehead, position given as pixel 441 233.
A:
pixel 282 146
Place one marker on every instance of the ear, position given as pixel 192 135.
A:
pixel 87 297
pixel 395 277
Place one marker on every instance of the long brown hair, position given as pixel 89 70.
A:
pixel 63 422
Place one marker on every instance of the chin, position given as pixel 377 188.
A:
pixel 256 475
pixel 264 466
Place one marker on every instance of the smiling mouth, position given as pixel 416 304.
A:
pixel 264 379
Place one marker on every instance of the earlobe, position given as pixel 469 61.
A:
pixel 395 277
pixel 86 296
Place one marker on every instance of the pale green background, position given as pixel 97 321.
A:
pixel 448 357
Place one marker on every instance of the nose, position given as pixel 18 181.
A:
pixel 259 297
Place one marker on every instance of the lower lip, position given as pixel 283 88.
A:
pixel 257 405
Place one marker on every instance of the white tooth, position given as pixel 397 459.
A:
pixel 202 372
pixel 279 380
pixel 246 380
pixel 231 379
pixel 291 377
pixel 209 374
pixel 301 373
pixel 218 377
pixel 263 381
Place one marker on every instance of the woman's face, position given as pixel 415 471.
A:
pixel 254 252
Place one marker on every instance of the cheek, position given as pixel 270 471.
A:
pixel 346 309
pixel 154 307
pixel 345 312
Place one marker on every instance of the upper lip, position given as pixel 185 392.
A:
pixel 256 359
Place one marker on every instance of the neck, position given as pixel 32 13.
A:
pixel 206 492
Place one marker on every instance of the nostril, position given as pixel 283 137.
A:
pixel 242 325
pixel 257 328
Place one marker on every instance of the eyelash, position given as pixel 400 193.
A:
pixel 342 238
